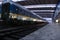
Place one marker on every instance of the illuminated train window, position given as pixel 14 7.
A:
pixel 12 16
pixel 21 17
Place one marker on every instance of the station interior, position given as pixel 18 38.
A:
pixel 29 19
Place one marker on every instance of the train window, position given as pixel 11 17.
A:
pixel 12 15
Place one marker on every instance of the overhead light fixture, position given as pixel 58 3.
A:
pixel 17 0
pixel 41 6
pixel 42 10
pixel 0 2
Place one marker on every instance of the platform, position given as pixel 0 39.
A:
pixel 49 32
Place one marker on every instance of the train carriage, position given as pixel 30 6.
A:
pixel 17 21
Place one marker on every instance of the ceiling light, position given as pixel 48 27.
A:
pixel 17 0
pixel 41 6
pixel 0 2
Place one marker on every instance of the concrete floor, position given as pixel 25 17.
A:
pixel 48 32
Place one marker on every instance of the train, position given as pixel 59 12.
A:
pixel 16 21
